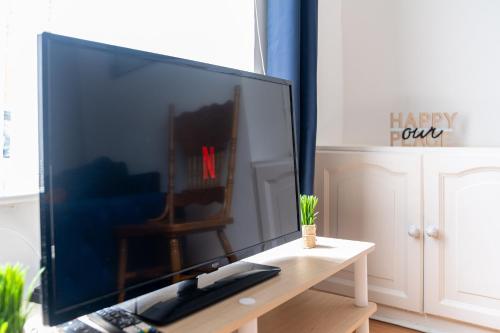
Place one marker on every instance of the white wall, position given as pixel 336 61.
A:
pixel 20 233
pixel 408 56
pixel 330 78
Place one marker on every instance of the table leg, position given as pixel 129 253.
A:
pixel 250 327
pixel 361 288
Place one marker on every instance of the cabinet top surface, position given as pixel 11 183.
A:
pixel 389 149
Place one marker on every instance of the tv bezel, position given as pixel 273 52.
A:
pixel 53 316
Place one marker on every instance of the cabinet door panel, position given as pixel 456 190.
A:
pixel 462 264
pixel 375 197
pixel 275 190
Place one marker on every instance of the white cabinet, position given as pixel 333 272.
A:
pixel 434 215
pixel 462 263
pixel 375 197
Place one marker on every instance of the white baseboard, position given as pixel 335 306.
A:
pixel 425 323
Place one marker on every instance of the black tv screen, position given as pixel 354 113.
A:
pixel 153 170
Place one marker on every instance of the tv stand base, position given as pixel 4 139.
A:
pixel 190 298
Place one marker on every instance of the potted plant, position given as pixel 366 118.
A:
pixel 308 216
pixel 14 308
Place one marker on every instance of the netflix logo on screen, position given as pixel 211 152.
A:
pixel 208 158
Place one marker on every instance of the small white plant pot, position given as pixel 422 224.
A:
pixel 309 236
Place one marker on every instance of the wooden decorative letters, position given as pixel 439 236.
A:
pixel 424 129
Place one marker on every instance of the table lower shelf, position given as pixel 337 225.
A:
pixel 316 311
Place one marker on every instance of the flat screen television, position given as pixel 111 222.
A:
pixel 154 170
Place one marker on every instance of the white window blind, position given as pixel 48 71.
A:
pixel 219 32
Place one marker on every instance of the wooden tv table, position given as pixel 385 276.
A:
pixel 286 303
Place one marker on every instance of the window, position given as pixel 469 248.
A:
pixel 219 32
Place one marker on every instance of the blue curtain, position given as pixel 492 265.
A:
pixel 292 34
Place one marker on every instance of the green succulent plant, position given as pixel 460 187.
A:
pixel 14 308
pixel 308 212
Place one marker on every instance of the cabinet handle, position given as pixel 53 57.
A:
pixel 414 231
pixel 432 231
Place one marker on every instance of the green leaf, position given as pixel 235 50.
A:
pixel 308 212
pixel 3 327
pixel 14 305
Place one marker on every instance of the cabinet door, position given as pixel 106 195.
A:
pixel 375 197
pixel 462 261
pixel 275 190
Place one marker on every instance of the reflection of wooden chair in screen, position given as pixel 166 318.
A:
pixel 211 181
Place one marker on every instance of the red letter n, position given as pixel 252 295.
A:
pixel 208 162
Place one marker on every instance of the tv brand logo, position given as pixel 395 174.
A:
pixel 208 154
